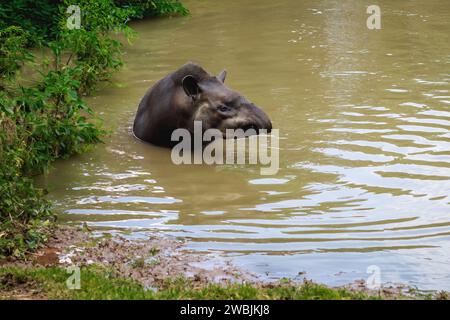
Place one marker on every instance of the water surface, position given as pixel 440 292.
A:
pixel 364 119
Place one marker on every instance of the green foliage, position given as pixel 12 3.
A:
pixel 38 125
pixel 42 18
pixel 38 17
pixel 25 215
pixel 146 8
pixel 12 55
pixel 91 48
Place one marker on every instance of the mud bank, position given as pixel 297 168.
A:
pixel 151 263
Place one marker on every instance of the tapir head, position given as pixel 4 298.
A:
pixel 219 107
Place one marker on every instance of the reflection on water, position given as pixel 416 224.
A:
pixel 364 119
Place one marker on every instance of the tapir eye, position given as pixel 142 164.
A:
pixel 223 108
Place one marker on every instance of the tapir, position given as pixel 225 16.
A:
pixel 192 94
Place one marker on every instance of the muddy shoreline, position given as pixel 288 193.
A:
pixel 152 261
pixel 148 261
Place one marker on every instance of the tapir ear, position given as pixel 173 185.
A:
pixel 222 76
pixel 190 86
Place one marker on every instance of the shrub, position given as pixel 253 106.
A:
pixel 12 53
pixel 38 124
pixel 91 49
pixel 146 8
pixel 38 17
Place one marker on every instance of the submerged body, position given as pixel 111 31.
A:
pixel 191 94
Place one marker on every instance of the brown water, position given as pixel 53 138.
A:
pixel 364 119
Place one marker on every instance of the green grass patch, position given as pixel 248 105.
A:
pixel 97 283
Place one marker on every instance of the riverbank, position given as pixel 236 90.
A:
pixel 114 267
pixel 53 54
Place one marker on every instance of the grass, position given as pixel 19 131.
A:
pixel 100 284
